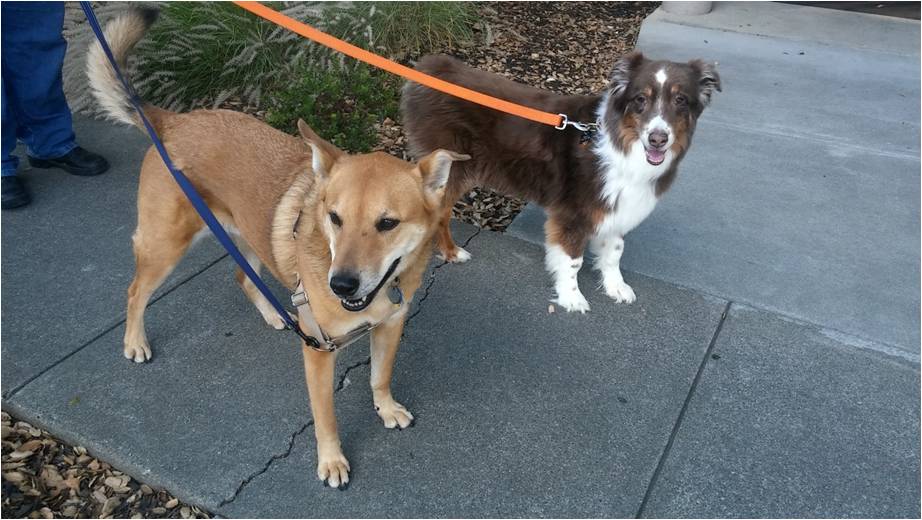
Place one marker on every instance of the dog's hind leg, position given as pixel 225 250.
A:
pixel 167 224
pixel 448 250
pixel 384 342
pixel 262 304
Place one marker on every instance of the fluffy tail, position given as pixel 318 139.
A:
pixel 122 33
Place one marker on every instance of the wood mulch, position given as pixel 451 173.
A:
pixel 46 478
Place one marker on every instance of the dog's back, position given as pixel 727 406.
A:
pixel 429 113
pixel 214 148
pixel 511 154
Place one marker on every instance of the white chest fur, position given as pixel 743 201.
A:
pixel 635 203
pixel 628 185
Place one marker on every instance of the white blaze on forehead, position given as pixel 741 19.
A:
pixel 661 76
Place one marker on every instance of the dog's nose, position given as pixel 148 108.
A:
pixel 344 284
pixel 658 138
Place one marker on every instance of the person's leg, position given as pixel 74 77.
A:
pixel 33 54
pixel 14 193
pixel 10 161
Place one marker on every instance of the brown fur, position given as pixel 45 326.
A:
pixel 534 161
pixel 260 182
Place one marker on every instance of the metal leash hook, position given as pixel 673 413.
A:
pixel 582 127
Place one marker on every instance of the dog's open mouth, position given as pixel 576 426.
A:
pixel 360 303
pixel 655 157
pixel 357 305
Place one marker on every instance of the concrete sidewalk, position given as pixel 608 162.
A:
pixel 800 193
pixel 699 400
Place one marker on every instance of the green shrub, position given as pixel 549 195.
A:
pixel 414 28
pixel 203 53
pixel 342 103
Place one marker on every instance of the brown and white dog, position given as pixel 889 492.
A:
pixel 595 188
pixel 304 209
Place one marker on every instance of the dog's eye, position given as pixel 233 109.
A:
pixel 681 100
pixel 334 218
pixel 386 224
pixel 640 103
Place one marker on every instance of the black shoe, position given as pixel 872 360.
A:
pixel 14 193
pixel 77 162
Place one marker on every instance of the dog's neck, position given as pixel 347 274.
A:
pixel 616 165
pixel 288 220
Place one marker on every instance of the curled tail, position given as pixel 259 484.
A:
pixel 122 33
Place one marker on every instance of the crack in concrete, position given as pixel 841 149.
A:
pixel 342 380
pixel 431 280
pixel 268 464
pixel 341 384
pixel 291 440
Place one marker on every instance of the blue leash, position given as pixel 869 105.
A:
pixel 190 191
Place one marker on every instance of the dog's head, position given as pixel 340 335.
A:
pixel 657 103
pixel 375 211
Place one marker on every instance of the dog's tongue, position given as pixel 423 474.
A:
pixel 655 156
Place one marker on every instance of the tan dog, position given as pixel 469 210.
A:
pixel 304 209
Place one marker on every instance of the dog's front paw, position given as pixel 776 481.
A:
pixel 457 256
pixel 273 319
pixel 333 470
pixel 394 415
pixel 620 292
pixel 137 351
pixel 572 301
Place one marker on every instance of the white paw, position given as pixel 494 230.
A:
pixel 459 257
pixel 333 470
pixel 572 301
pixel 138 352
pixel 394 415
pixel 620 292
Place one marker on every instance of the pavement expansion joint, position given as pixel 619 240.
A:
pixel 678 423
pixel 108 329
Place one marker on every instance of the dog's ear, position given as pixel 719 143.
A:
pixel 434 169
pixel 621 73
pixel 708 80
pixel 323 153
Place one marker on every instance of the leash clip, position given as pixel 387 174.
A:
pixel 582 127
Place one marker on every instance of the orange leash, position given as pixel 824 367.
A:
pixel 559 121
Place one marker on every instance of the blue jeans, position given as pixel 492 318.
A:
pixel 34 108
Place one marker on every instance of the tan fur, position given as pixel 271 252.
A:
pixel 260 182
pixel 123 34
